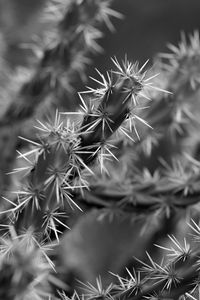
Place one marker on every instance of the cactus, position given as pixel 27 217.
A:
pixel 129 150
pixel 61 54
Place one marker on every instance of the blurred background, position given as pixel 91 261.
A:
pixel 149 25
pixel 146 28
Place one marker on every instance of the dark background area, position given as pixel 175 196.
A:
pixel 147 27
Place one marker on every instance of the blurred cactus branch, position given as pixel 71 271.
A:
pixel 167 282
pixel 176 275
pixel 150 194
pixel 174 117
pixel 65 55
